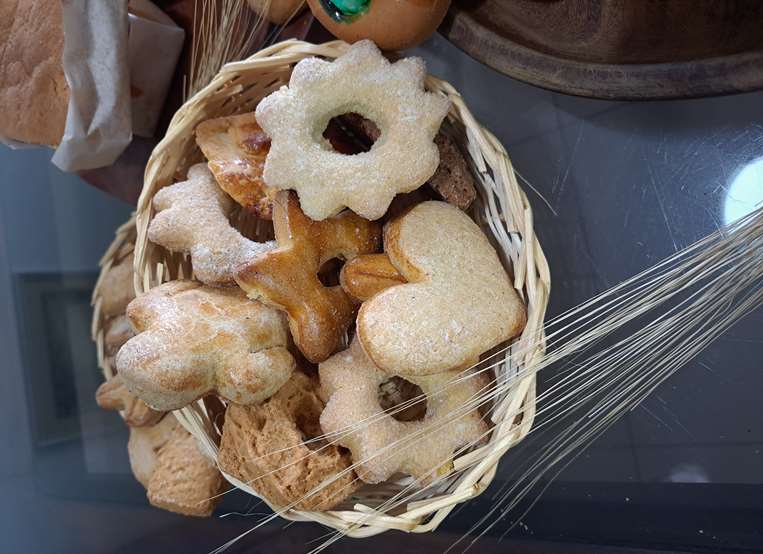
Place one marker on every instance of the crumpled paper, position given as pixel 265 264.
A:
pixel 118 69
pixel 98 120
pixel 154 38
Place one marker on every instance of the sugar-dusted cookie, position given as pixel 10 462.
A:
pixel 235 148
pixel 360 81
pixel 458 303
pixel 380 444
pixel 287 277
pixel 193 218
pixel 265 447
pixel 192 340
pixel 453 181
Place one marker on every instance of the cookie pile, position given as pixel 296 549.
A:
pixel 163 456
pixel 342 349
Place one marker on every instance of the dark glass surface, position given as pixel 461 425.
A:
pixel 629 183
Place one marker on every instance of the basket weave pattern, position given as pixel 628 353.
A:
pixel 502 210
pixel 121 247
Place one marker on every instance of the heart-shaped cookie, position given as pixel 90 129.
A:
pixel 458 302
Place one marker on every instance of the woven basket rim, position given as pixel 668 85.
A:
pixel 121 246
pixel 511 219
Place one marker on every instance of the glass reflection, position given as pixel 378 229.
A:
pixel 745 194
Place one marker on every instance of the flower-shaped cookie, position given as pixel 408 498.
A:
pixel 361 81
pixel 380 444
pixel 193 218
pixel 193 340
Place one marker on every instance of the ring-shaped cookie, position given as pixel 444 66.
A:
pixel 360 81
pixel 381 445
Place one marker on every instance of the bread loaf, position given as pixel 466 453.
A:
pixel 33 92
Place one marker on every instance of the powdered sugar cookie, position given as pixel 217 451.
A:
pixel 458 302
pixel 361 81
pixel 192 340
pixel 193 218
pixel 382 445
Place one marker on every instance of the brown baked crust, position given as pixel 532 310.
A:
pixel 33 92
pixel 166 460
pixel 236 148
pixel 453 181
pixel 113 395
pixel 264 447
pixel 365 276
pixel 287 277
pixel 117 289
pixel 184 481
pixel 118 331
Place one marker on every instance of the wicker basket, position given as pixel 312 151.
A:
pixel 121 247
pixel 502 211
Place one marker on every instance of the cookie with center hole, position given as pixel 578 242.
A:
pixel 381 445
pixel 361 81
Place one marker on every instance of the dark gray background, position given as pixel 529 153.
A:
pixel 630 183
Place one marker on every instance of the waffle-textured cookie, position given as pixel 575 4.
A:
pixel 264 447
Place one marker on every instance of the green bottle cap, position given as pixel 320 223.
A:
pixel 345 11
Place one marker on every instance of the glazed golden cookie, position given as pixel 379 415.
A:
pixel 264 447
pixel 166 460
pixel 236 148
pixel 367 275
pixel 380 444
pixel 113 395
pixel 192 340
pixel 287 277
pixel 458 302
pixel 360 81
pixel 193 218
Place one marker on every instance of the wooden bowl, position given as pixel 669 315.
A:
pixel 617 49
